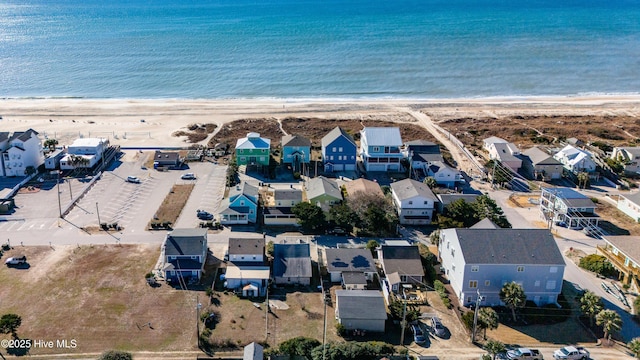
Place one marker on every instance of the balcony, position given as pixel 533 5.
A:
pixel 618 261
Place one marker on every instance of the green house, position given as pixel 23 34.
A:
pixel 253 150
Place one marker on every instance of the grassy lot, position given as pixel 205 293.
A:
pixel 616 222
pixel 241 322
pixel 172 205
pixel 97 295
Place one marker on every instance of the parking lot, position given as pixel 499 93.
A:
pixel 206 195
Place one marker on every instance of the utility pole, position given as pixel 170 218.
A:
pixel 59 203
pixel 198 306
pixel 324 334
pixel 475 317
pixel 70 193
pixel 266 317
pixel 493 175
pixel 404 317
pixel 98 212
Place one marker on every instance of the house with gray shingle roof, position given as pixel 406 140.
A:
pixel 349 260
pixel 184 254
pixel 402 263
pixel 483 260
pixel 414 202
pixel 539 164
pixel 569 207
pixel 292 264
pixel 339 151
pixel 361 310
pixel 323 192
pixel 380 148
pixel 629 157
pixel 241 207
pixel 296 150
pixel 507 154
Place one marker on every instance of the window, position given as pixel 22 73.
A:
pixel 473 284
pixel 410 202
pixel 453 252
pixel 340 149
pixel 331 157
pixel 553 269
pixel 353 157
pixel 537 283
pixel 487 283
pixel 264 151
pixel 520 268
pixel 551 285
pixel 241 202
pixel 254 257
pixel 376 149
pixel 474 268
pixel 426 202
pixel 333 149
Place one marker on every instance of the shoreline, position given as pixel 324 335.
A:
pixel 151 122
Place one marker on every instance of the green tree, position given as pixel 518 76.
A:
pixel 513 296
pixel 396 309
pixel 372 245
pixel 591 304
pixel 377 214
pixel 494 347
pixel 269 249
pixel 310 217
pixel 598 264
pixel 583 180
pixel 487 319
pixel 429 261
pixel 343 216
pixel 500 175
pixel 486 207
pixel 115 355
pixel 430 181
pixel 634 347
pixel 29 170
pixel 460 211
pixel 298 346
pixel 9 324
pixel 610 322
pixel 51 144
pixel 435 237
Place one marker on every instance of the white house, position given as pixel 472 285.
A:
pixel 246 271
pixel 506 153
pixel 443 174
pixel 630 205
pixel 380 148
pixel 629 157
pixel 84 153
pixel 277 208
pixel 564 205
pixel 246 250
pixel 253 351
pixel 486 143
pixel 483 260
pixel 414 202
pixel 19 151
pixel 575 160
pixel 361 310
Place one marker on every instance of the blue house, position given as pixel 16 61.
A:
pixel 241 207
pixel 338 151
pixel 185 253
pixel 380 148
pixel 296 150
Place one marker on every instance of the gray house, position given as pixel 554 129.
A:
pixel 292 264
pixel 361 310
pixel 482 260
pixel 253 351
pixel 540 165
pixel 345 260
pixel 184 254
pixel 401 265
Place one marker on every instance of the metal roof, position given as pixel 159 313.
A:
pixel 571 198
pixel 382 136
pixel 253 141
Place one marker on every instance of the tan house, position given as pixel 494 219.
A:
pixel 363 185
pixel 624 253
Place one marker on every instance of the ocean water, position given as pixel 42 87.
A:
pixel 318 48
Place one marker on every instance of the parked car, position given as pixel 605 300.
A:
pixel 571 353
pixel 133 179
pixel 188 176
pixel 337 231
pixel 204 215
pixel 16 260
pixel 418 335
pixel 524 354
pixel 437 327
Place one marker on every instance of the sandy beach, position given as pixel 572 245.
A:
pixel 142 122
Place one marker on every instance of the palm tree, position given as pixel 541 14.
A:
pixel 487 319
pixel 494 347
pixel 430 181
pixel 610 322
pixel 513 296
pixel 634 347
pixel 591 304
pixel 51 144
pixel 583 180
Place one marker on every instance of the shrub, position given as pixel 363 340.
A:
pixel 467 319
pixel 115 355
pixel 340 329
pixel 439 286
pixel 598 264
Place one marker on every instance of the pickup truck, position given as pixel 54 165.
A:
pixel 16 260
pixel 524 354
pixel 571 353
